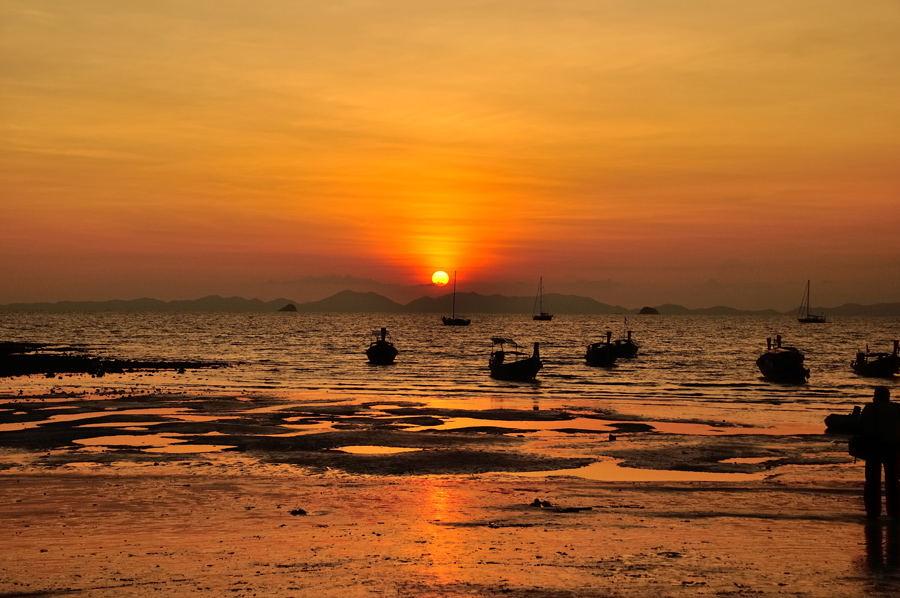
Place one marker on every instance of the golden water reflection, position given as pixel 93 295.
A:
pixel 588 424
pixel 444 547
pixel 151 443
pixel 375 450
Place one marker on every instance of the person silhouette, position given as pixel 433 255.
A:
pixel 880 421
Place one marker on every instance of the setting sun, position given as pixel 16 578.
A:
pixel 440 278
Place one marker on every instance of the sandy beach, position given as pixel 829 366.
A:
pixel 276 515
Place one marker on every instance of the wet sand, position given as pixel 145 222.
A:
pixel 283 512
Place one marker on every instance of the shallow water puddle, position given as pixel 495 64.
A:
pixel 151 443
pixel 375 450
pixel 613 426
pixel 141 440
pixel 179 414
pixel 579 423
pixel 611 471
pixel 123 425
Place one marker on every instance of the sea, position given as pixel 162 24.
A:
pixel 688 367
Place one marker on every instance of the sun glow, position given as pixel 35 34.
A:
pixel 440 278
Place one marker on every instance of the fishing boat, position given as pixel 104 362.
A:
pixel 877 365
pixel 539 313
pixel 381 350
pixel 844 423
pixel 508 363
pixel 782 364
pixel 602 354
pixel 455 320
pixel 803 314
pixel 626 348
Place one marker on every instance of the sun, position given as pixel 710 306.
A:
pixel 440 278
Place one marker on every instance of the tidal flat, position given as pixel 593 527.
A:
pixel 130 494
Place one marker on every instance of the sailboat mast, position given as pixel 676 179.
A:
pixel 808 299
pixel 538 313
pixel 538 300
pixel 453 312
pixel 804 305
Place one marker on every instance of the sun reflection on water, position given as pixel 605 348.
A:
pixel 444 542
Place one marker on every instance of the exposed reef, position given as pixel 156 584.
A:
pixel 29 359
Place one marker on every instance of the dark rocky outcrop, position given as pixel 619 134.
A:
pixel 28 359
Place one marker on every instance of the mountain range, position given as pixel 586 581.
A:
pixel 356 302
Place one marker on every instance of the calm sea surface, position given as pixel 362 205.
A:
pixel 688 366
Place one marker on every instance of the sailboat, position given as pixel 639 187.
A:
pixel 453 320
pixel 803 315
pixel 540 314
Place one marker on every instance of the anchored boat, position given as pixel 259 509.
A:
pixel 455 320
pixel 782 364
pixel 625 347
pixel 381 350
pixel 877 365
pixel 539 313
pixel 844 423
pixel 803 314
pixel 602 354
pixel 508 363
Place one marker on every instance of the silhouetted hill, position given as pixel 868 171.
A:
pixel 466 303
pixel 217 303
pixel 353 302
pixel 855 309
pixel 500 304
pixel 212 303
pixel 719 310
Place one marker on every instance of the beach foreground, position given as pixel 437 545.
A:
pixel 177 532
pixel 122 522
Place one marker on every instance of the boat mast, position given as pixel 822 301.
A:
pixel 541 291
pixel 808 298
pixel 453 312
pixel 804 305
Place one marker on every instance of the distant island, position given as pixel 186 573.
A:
pixel 356 302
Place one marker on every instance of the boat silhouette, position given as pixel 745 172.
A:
pixel 381 349
pixel 782 364
pixel 877 365
pixel 455 320
pixel 803 314
pixel 844 423
pixel 602 354
pixel 626 348
pixel 520 367
pixel 539 313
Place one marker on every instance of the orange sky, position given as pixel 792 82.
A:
pixel 699 152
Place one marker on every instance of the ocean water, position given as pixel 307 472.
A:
pixel 687 367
